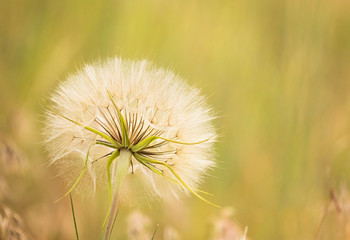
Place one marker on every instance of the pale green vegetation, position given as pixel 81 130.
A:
pixel 277 73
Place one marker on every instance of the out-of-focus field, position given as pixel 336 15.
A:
pixel 277 73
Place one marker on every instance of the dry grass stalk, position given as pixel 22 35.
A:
pixel 11 160
pixel 11 225
pixel 138 226
pixel 341 205
pixel 171 233
pixel 3 188
pixel 10 155
pixel 335 221
pixel 224 228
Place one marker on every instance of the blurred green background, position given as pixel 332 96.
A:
pixel 277 73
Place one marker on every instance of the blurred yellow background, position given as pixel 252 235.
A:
pixel 276 72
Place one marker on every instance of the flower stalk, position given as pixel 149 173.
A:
pixel 123 164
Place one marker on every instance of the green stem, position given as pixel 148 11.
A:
pixel 114 155
pixel 75 222
pixel 123 165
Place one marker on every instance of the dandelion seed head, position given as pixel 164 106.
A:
pixel 154 102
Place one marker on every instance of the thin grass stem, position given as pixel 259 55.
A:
pixel 75 222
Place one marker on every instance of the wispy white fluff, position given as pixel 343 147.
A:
pixel 163 101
